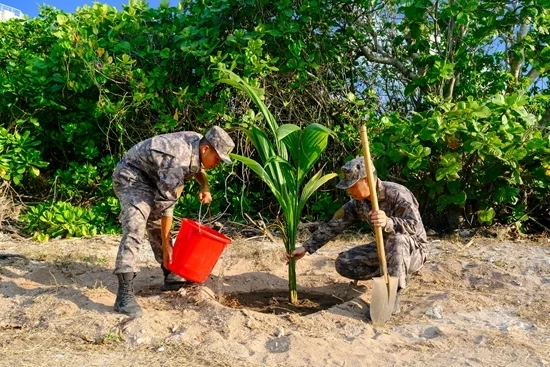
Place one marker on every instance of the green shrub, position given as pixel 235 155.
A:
pixel 486 156
pixel 62 219
pixel 18 156
pixel 92 83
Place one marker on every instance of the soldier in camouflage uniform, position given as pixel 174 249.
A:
pixel 148 181
pixel 405 239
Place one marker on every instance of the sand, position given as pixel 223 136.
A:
pixel 477 302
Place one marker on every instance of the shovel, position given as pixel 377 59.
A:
pixel 384 288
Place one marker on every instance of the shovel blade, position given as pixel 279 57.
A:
pixel 382 299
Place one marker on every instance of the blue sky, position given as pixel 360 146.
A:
pixel 30 7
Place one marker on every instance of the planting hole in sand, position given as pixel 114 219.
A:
pixel 276 302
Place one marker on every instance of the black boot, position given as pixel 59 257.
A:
pixel 125 299
pixel 172 282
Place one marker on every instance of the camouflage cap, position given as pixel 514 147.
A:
pixel 353 171
pixel 221 142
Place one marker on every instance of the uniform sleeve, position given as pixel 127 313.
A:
pixel 342 219
pixel 169 210
pixel 406 217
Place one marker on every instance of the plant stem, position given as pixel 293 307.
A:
pixel 293 293
pixel 291 245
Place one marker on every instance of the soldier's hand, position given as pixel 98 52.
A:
pixel 298 253
pixel 205 197
pixel 167 252
pixel 378 218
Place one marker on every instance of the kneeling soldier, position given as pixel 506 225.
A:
pixel 405 238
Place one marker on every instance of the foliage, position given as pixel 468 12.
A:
pixel 324 206
pixel 19 156
pixel 90 84
pixel 284 166
pixel 487 157
pixel 62 219
pixel 228 197
pixel 81 182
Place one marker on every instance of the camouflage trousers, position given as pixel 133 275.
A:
pixel 403 257
pixel 138 213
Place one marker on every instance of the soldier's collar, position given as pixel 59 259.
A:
pixel 196 164
pixel 380 189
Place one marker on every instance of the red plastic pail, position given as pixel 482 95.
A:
pixel 196 251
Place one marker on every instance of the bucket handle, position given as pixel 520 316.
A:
pixel 202 219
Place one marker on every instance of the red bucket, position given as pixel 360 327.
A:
pixel 196 251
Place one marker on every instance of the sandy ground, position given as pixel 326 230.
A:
pixel 484 302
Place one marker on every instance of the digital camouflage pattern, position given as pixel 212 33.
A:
pixel 138 213
pixel 405 239
pixel 221 142
pixel 148 180
pixel 353 171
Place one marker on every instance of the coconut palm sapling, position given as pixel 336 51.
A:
pixel 284 163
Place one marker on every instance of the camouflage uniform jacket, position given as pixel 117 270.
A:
pixel 399 204
pixel 164 162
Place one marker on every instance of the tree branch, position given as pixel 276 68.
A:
pixel 534 75
pixel 516 63
pixel 451 89
pixel 546 118
pixel 370 56
pixel 450 32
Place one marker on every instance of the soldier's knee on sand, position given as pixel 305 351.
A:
pixel 342 266
pixel 359 264
pixel 350 268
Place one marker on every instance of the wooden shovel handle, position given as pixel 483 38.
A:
pixel 374 202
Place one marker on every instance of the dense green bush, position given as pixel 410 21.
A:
pixel 461 124
pixel 487 157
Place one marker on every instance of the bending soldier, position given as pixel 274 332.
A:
pixel 148 181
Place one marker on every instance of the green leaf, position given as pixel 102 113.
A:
pixel 454 186
pixel 486 216
pixel 499 100
pixel 414 163
pixel 256 94
pixel 285 130
pixel 529 118
pixel 313 185
pixel 459 199
pixel 259 170
pixel 506 195
pixel 35 171
pixel 306 146
pixel 266 151
pixel 261 142
pixel 396 155
pixel 165 53
pixel 61 19
pixel 123 47
pixel 449 168
pixel 483 112
pixel 536 144
pixel 515 154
